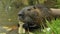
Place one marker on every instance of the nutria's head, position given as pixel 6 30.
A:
pixel 29 14
pixel 35 15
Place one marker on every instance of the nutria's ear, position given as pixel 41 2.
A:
pixel 34 7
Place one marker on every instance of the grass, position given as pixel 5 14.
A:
pixel 55 27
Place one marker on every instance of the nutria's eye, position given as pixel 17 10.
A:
pixel 29 9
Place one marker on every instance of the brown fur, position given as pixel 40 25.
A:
pixel 37 14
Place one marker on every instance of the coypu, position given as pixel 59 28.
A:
pixel 36 15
